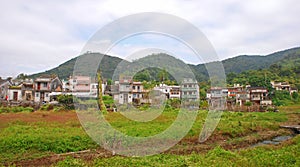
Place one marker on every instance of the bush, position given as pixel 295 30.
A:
pixel 58 108
pixel 46 107
pixel 69 161
pixel 15 109
pixel 28 109
pixel 67 101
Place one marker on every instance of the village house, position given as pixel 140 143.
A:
pixel 44 85
pixel 171 92
pixel 237 95
pixel 125 95
pixel 27 90
pixel 79 83
pixel 216 97
pixel 242 97
pixel 281 85
pixel 82 86
pixel 15 93
pixel 259 96
pixel 163 88
pixel 174 92
pixel 4 85
pixel 137 90
pixel 189 90
pixel 292 90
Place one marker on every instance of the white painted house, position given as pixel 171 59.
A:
pixel 15 93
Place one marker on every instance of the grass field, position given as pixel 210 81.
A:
pixel 35 138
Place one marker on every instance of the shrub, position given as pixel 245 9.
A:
pixel 46 107
pixel 67 101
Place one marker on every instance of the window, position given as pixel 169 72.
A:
pixel 45 84
pixel 133 87
pixel 37 95
pixel 46 95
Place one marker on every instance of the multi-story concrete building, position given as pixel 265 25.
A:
pixel 189 90
pixel 217 97
pixel 125 90
pixel 259 96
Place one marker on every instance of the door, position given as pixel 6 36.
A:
pixel 39 86
pixel 125 98
pixel 15 96
pixel 42 96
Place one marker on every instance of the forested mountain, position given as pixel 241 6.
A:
pixel 287 64
pixel 107 66
pixel 285 69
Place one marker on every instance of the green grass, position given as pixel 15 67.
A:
pixel 286 155
pixel 23 140
pixel 15 109
pixel 231 123
pixel 28 140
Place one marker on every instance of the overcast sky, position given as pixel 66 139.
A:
pixel 38 35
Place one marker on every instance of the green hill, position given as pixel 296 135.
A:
pixel 285 60
pixel 63 71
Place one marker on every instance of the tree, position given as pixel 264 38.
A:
pixel 163 75
pixel 295 96
pixel 142 76
pixel 100 100
pixel 67 101
pixel 22 76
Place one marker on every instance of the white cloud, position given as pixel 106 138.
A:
pixel 36 35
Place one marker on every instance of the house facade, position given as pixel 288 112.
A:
pixel 79 84
pixel 125 90
pixel 44 85
pixel 259 96
pixel 27 90
pixel 281 85
pixel 216 97
pixel 4 85
pixel 15 93
pixel 189 90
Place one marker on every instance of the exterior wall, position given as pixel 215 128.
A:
pixel 42 85
pixel 116 97
pixel 281 85
pixel 11 93
pixel 4 89
pixel 94 89
pixel 189 89
pixel 47 97
pixel 28 95
pixel 41 96
pixel 174 92
pixel 266 102
pixel 125 98
pixel 217 98
pixel 37 96
pixel 80 83
pixel 137 90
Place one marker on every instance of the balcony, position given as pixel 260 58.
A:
pixel 189 96
pixel 188 89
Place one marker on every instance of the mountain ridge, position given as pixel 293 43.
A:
pixel 236 64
